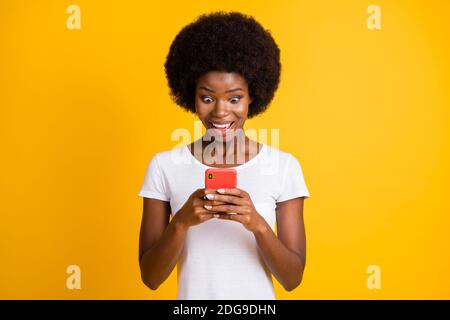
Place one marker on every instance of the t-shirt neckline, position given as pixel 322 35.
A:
pixel 238 167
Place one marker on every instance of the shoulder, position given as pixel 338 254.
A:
pixel 170 155
pixel 280 162
pixel 276 154
pixel 173 159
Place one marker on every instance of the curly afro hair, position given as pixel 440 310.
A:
pixel 230 42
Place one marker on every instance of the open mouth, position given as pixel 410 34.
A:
pixel 222 126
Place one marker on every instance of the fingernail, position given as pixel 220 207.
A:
pixel 216 216
pixel 208 207
pixel 210 196
pixel 221 190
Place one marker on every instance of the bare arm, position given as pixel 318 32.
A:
pixel 285 256
pixel 160 242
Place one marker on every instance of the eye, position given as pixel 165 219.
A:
pixel 207 99
pixel 235 99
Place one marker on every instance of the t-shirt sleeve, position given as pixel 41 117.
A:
pixel 293 182
pixel 154 185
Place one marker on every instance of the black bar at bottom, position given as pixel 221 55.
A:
pixel 226 309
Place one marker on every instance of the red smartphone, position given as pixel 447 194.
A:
pixel 216 178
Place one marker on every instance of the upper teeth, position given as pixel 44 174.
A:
pixel 221 126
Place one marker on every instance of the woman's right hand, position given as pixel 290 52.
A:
pixel 193 211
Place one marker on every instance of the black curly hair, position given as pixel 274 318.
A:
pixel 230 42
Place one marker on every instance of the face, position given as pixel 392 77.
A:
pixel 221 101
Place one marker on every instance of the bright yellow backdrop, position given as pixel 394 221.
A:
pixel 366 112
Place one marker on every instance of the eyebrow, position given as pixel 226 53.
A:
pixel 210 90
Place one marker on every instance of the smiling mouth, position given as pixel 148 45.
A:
pixel 223 126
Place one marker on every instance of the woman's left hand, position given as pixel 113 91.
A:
pixel 239 208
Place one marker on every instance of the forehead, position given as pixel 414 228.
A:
pixel 221 80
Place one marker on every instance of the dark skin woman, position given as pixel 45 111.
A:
pixel 222 97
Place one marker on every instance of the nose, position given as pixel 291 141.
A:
pixel 220 109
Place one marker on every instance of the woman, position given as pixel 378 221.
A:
pixel 225 68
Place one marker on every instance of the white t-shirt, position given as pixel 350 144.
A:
pixel 220 259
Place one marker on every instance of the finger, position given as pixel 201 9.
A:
pixel 213 202
pixel 203 192
pixel 227 198
pixel 233 191
pixel 205 210
pixel 232 217
pixel 227 208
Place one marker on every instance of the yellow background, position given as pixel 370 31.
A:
pixel 366 112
